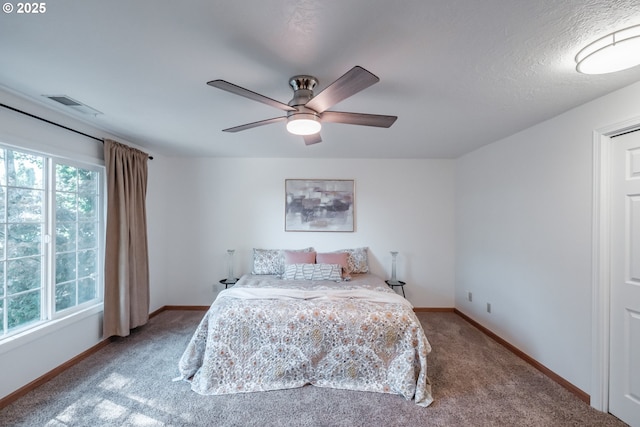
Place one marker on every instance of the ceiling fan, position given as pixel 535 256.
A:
pixel 306 112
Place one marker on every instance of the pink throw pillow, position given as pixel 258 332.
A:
pixel 335 258
pixel 297 257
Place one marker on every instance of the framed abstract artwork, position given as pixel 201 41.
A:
pixel 319 205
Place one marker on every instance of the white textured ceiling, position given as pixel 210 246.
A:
pixel 458 73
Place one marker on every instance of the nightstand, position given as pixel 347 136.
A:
pixel 394 285
pixel 227 282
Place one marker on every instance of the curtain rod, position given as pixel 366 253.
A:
pixel 55 124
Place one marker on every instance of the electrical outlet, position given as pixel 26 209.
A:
pixel 469 296
pixel 488 307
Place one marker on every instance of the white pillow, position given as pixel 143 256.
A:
pixel 313 272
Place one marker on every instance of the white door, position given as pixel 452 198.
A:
pixel 624 370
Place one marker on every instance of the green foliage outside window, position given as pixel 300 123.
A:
pixel 76 241
pixel 74 248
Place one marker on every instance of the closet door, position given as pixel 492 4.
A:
pixel 624 379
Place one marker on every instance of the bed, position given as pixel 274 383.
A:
pixel 269 333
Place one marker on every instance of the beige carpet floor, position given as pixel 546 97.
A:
pixel 476 382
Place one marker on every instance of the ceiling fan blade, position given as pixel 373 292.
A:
pixel 237 90
pixel 312 139
pixel 352 82
pixel 376 120
pixel 255 124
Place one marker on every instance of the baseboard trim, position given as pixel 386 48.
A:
pixel 522 355
pixel 179 307
pixel 158 311
pixel 187 307
pixel 10 398
pixel 433 309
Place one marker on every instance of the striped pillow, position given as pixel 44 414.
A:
pixel 313 272
pixel 336 258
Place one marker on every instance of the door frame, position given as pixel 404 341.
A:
pixel 601 263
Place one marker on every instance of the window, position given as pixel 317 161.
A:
pixel 50 238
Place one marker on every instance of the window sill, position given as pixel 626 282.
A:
pixel 46 328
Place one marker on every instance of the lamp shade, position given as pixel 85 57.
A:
pixel 303 124
pixel 614 52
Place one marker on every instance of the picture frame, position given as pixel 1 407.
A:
pixel 319 205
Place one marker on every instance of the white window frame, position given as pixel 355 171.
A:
pixel 48 314
pixel 53 161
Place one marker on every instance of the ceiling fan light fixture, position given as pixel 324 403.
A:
pixel 616 51
pixel 303 124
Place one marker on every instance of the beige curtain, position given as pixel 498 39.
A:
pixel 126 267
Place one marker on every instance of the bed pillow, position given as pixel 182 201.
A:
pixel 270 261
pixel 299 257
pixel 357 259
pixel 341 258
pixel 313 272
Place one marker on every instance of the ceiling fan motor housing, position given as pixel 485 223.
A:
pixel 302 86
pixel 303 82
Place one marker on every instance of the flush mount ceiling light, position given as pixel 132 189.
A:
pixel 303 124
pixel 614 52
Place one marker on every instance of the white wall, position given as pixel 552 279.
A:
pixel 220 204
pixel 158 221
pixel 37 353
pixel 523 235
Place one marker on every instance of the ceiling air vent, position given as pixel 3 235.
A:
pixel 73 104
